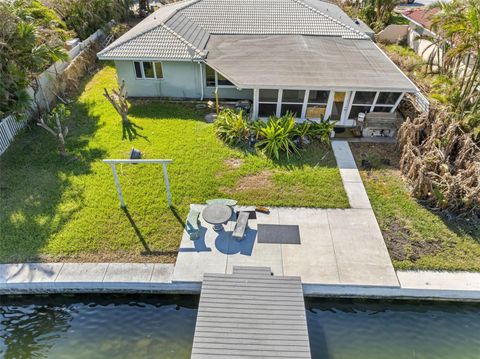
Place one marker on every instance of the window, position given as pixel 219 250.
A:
pixel 138 70
pixel 148 70
pixel 267 109
pixel 268 96
pixel 158 70
pixel 209 76
pixel 222 81
pixel 388 98
pixel 292 101
pixel 317 104
pixel 213 78
pixel 267 102
pixel 364 98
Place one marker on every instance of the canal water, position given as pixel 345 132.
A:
pixel 160 326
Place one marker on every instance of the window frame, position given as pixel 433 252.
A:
pixel 155 78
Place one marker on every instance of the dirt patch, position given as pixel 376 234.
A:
pixel 233 163
pixel 375 155
pixel 257 181
pixel 402 249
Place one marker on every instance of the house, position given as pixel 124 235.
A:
pixel 419 30
pixel 303 56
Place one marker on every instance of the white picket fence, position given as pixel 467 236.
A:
pixel 9 126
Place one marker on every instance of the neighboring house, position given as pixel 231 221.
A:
pixel 420 27
pixel 307 57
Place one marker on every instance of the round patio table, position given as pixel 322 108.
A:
pixel 217 214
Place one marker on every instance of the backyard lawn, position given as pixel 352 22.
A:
pixel 416 237
pixel 56 209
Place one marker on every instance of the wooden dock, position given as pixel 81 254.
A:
pixel 251 314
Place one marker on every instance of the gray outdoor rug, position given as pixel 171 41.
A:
pixel 278 233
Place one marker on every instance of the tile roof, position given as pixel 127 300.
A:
pixel 421 16
pixel 178 30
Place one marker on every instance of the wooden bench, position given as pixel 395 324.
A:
pixel 241 226
pixel 192 224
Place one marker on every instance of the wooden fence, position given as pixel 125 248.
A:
pixel 45 95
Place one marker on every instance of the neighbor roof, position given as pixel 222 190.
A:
pixel 422 17
pixel 275 61
pixel 175 31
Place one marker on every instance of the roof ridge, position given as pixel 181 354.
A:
pixel 185 41
pixel 154 26
pixel 330 18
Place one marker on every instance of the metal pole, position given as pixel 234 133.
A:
pixel 167 183
pixel 117 183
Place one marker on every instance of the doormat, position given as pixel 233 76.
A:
pixel 278 234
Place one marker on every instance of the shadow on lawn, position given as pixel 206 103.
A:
pixel 147 251
pixel 159 110
pixel 130 131
pixel 36 181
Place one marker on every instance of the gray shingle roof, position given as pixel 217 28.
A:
pixel 174 31
pixel 298 61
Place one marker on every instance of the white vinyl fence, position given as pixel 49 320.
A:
pixel 45 95
pixel 9 127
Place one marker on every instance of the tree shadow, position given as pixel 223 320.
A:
pixel 130 131
pixel 39 189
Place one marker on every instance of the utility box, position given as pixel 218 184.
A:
pixel 380 124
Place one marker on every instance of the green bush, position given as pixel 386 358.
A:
pixel 232 127
pixel 278 136
pixel 274 137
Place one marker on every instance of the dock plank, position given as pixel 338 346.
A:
pixel 251 314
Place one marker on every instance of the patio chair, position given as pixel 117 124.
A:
pixel 192 227
pixel 225 201
pixel 241 226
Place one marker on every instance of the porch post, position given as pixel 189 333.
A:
pixel 255 103
pixel 328 110
pixel 398 102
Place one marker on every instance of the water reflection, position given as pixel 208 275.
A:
pixel 97 327
pixel 31 331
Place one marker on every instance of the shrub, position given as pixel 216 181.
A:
pixel 320 130
pixel 232 127
pixel 278 136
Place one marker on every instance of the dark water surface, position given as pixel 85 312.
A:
pixel 393 330
pixel 160 326
pixel 97 327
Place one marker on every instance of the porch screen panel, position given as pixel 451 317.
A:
pixel 292 102
pixel 317 104
pixel 267 102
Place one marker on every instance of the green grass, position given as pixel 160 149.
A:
pixel 58 209
pixel 416 237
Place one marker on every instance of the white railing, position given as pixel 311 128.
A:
pixel 421 101
pixel 9 127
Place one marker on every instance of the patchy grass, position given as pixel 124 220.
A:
pixel 416 237
pixel 56 209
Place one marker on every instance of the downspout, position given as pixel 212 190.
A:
pixel 201 80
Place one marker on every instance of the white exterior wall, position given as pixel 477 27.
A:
pixel 181 79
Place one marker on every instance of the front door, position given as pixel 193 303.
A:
pixel 340 107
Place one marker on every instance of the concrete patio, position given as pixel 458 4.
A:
pixel 338 246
